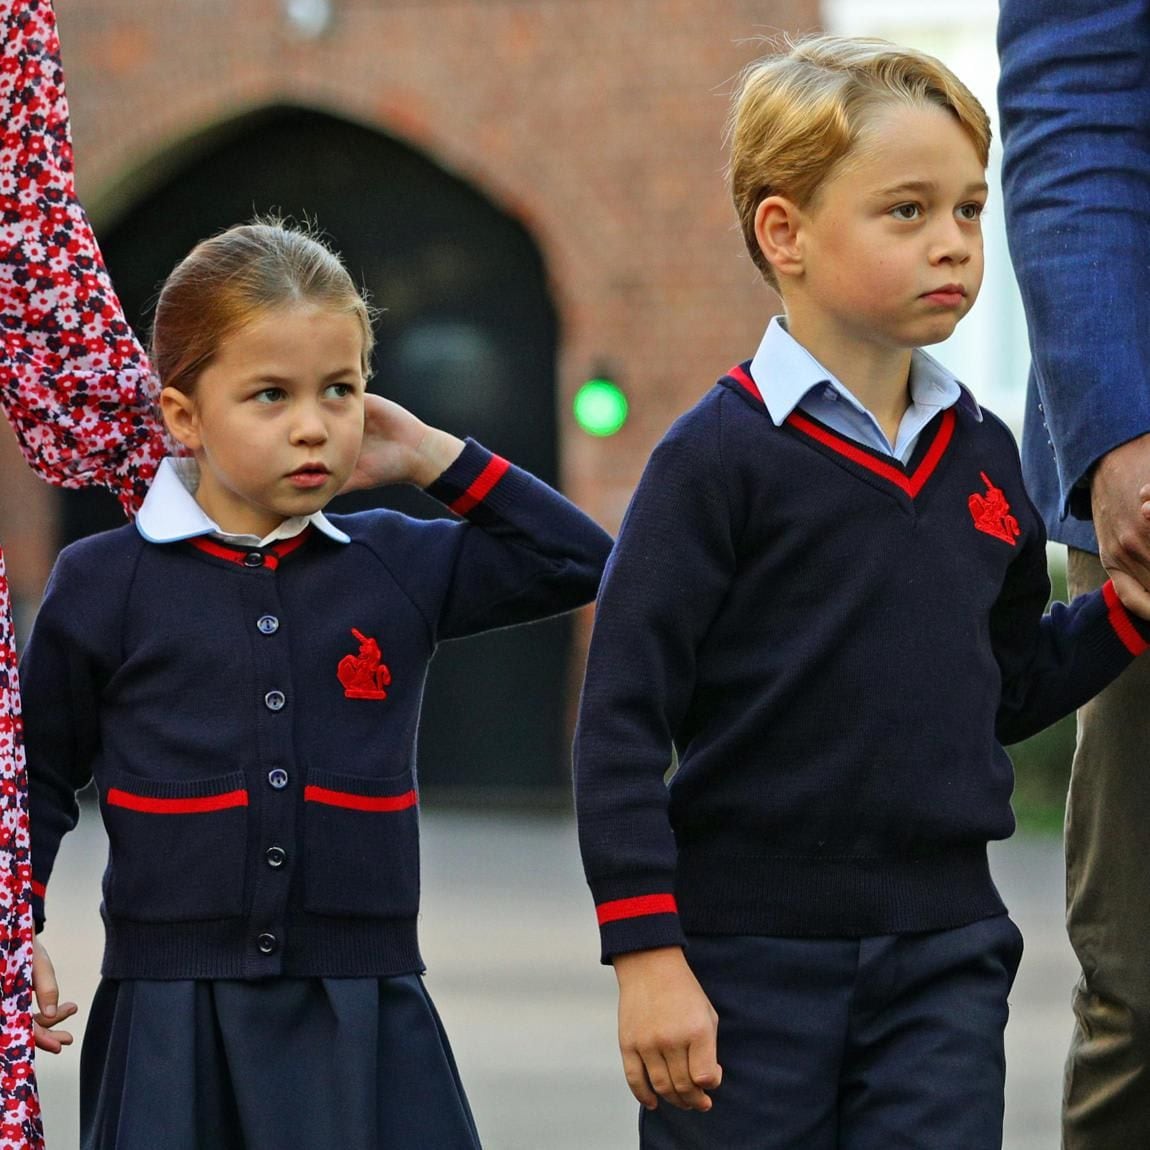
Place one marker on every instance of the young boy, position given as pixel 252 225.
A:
pixel 828 597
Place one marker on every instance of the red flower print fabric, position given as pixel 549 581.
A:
pixel 77 388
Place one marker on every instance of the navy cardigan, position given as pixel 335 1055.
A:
pixel 250 719
pixel 837 646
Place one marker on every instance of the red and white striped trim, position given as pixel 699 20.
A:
pixel 314 794
pixel 271 556
pixel 639 907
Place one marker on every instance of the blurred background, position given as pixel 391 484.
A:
pixel 532 191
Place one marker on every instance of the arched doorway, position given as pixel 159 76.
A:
pixel 467 340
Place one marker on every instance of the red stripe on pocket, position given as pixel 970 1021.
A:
pixel 481 486
pixel 1121 622
pixel 636 907
pixel 118 798
pixel 313 794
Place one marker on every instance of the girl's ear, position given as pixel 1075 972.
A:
pixel 777 222
pixel 181 417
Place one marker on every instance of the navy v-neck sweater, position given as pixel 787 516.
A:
pixel 837 646
pixel 249 717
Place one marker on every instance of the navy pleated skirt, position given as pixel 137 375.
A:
pixel 280 1064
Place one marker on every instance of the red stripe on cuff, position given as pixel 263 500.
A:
pixel 481 486
pixel 38 889
pixel 1121 622
pixel 332 798
pixel 636 907
pixel 118 798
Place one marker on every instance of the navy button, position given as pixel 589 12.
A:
pixel 268 624
pixel 275 700
pixel 276 856
pixel 277 778
pixel 267 943
pixel 253 559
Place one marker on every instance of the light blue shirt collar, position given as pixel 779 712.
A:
pixel 786 375
pixel 170 512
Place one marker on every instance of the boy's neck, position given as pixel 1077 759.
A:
pixel 877 376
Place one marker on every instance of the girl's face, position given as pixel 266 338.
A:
pixel 276 421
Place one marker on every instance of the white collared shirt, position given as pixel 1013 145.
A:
pixel 789 377
pixel 170 512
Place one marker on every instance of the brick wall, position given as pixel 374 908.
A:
pixel 597 123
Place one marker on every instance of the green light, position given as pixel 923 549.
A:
pixel 600 407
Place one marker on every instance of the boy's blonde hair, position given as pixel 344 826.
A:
pixel 226 282
pixel 797 115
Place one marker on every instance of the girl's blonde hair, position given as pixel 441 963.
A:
pixel 225 282
pixel 796 116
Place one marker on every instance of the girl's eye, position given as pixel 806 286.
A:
pixel 906 212
pixel 269 395
pixel 971 211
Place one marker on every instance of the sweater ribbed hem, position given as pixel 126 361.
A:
pixel 231 948
pixel 811 897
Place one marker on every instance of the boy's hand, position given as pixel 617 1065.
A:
pixel 667 1030
pixel 1122 524
pixel 51 1011
pixel 398 448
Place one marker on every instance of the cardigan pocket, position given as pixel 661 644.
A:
pixel 361 838
pixel 175 849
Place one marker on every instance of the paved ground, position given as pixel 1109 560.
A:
pixel 509 938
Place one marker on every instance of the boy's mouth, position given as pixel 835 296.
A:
pixel 949 295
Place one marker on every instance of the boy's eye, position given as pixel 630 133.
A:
pixel 269 395
pixel 340 390
pixel 972 211
pixel 906 212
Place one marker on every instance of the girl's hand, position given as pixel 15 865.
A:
pixel 51 1011
pixel 398 448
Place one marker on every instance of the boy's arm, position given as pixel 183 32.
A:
pixel 74 381
pixel 666 578
pixel 1051 664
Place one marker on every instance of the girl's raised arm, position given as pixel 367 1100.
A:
pixel 74 381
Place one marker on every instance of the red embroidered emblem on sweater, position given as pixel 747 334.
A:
pixel 365 674
pixel 991 513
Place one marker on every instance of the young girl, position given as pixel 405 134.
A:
pixel 241 675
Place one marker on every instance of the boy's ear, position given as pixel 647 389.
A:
pixel 777 222
pixel 180 417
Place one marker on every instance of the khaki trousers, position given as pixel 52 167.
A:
pixel 1106 1100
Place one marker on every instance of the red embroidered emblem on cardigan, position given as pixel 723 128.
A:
pixel 364 675
pixel 991 513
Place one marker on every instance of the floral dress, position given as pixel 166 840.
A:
pixel 76 387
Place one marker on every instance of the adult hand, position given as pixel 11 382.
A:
pixel 1123 530
pixel 52 1011
pixel 667 1030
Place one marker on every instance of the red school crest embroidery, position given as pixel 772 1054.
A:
pixel 364 675
pixel 991 513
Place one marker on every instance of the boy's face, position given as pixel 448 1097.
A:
pixel 276 421
pixel 890 251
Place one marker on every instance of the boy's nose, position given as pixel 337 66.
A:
pixel 952 244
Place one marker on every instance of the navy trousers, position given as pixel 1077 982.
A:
pixel 892 1043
